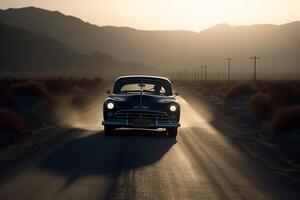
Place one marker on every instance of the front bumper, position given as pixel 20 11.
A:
pixel 124 123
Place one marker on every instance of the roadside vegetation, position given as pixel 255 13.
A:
pixel 271 108
pixel 276 104
pixel 27 105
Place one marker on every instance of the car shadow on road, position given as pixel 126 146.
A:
pixel 96 154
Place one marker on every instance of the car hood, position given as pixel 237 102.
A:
pixel 142 101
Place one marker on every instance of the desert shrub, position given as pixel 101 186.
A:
pixel 11 121
pixel 284 93
pixel 33 89
pixel 240 89
pixel 260 104
pixel 58 86
pixel 61 86
pixel 285 118
pixel 30 88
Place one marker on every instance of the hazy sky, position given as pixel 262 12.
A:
pixel 170 14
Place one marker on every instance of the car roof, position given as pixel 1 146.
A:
pixel 143 77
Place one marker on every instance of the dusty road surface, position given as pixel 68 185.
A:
pixel 84 164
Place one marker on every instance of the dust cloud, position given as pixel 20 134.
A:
pixel 88 117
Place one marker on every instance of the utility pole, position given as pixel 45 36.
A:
pixel 205 73
pixel 195 74
pixel 181 75
pixel 186 75
pixel 228 73
pixel 201 73
pixel 218 75
pixel 198 73
pixel 254 58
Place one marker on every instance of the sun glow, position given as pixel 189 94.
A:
pixel 171 14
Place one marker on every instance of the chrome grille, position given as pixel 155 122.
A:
pixel 141 114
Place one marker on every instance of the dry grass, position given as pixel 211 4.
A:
pixel 11 121
pixel 261 104
pixel 240 89
pixel 284 119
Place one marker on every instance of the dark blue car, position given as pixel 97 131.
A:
pixel 141 102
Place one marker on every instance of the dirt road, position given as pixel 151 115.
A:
pixel 84 164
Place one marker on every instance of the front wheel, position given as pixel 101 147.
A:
pixel 108 130
pixel 172 132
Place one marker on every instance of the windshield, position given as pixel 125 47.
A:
pixel 152 87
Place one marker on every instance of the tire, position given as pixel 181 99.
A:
pixel 108 130
pixel 172 132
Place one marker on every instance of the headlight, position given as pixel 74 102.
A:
pixel 110 105
pixel 173 108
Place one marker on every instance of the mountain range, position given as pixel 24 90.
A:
pixel 26 54
pixel 278 46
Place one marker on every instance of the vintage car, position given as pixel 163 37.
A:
pixel 145 102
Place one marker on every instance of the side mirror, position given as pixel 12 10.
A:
pixel 108 91
pixel 176 93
